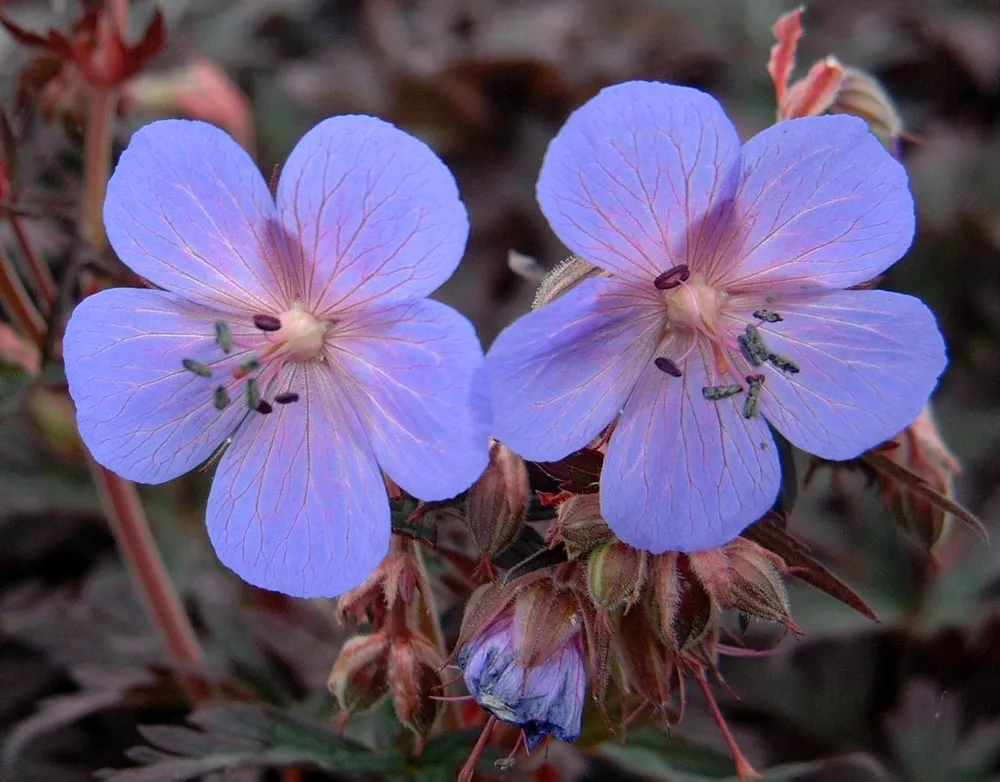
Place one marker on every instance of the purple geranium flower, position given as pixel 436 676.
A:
pixel 545 698
pixel 723 308
pixel 294 329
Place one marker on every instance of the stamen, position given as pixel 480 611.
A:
pixel 266 322
pixel 768 316
pixel 286 397
pixel 197 367
pixel 748 354
pixel 223 336
pixel 786 365
pixel 751 405
pixel 672 278
pixel 264 407
pixel 715 393
pixel 221 398
pixel 668 366
pixel 246 366
pixel 253 394
pixel 753 347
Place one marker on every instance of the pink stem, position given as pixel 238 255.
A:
pixel 18 304
pixel 97 163
pixel 135 541
pixel 120 498
pixel 45 285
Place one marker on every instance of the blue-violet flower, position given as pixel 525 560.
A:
pixel 292 328
pixel 723 307
pixel 544 698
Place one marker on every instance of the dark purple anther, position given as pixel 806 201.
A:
pixel 672 278
pixel 668 366
pixel 266 322
pixel 286 397
pixel 264 407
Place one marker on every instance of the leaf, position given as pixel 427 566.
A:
pixel 654 754
pixel 579 473
pixel 768 533
pixel 235 735
pixel 102 690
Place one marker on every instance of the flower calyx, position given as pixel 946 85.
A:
pixel 395 581
pixel 829 87
pixel 497 504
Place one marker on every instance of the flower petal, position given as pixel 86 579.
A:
pixel 560 374
pixel 375 211
pixel 412 380
pixel 683 473
pixel 632 181
pixel 139 411
pixel 869 360
pixel 821 205
pixel 298 504
pixel 188 210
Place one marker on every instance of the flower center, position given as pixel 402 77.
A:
pixel 694 304
pixel 301 334
pixel 296 335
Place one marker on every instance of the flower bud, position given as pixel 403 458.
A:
pixel 615 575
pixel 861 95
pixel 544 697
pixel 646 660
pixel 920 449
pixel 498 502
pixel 681 609
pixel 15 350
pixel 359 677
pixel 579 526
pixel 564 277
pixel 745 577
pixel 415 676
pixel 396 578
pixel 548 616
pixel 198 90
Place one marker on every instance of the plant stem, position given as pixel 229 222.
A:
pixel 97 163
pixel 135 541
pixel 121 500
pixel 18 304
pixel 45 285
pixel 430 620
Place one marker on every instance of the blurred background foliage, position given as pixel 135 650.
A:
pixel 487 83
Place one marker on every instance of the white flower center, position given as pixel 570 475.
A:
pixel 694 304
pixel 301 335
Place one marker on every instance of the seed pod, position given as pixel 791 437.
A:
pixel 498 502
pixel 359 677
pixel 755 584
pixel 862 96
pixel 615 575
pixel 415 679
pixel 696 614
pixel 580 525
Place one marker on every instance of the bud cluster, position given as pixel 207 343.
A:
pixel 395 657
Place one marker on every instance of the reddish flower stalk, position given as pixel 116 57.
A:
pixel 97 163
pixel 18 304
pixel 135 541
pixel 45 285
pixel 119 496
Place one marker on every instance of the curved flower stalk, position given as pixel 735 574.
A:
pixel 292 329
pixel 725 309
